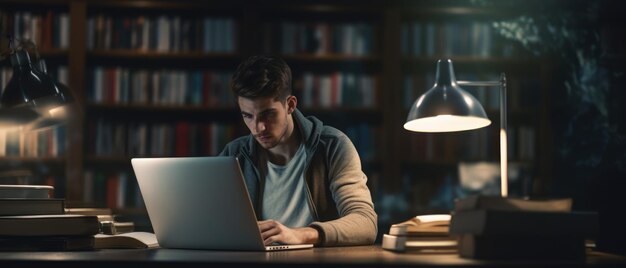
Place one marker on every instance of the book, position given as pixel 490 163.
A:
pixel 89 211
pixel 524 234
pixel 404 243
pixel 31 206
pixel 46 243
pixel 126 240
pixel 49 225
pixel 26 191
pixel 103 214
pixel 114 227
pixel 508 247
pixel 473 202
pixel 108 223
pixel 423 225
pixel 498 222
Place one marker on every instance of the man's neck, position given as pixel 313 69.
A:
pixel 283 152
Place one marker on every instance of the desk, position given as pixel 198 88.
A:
pixel 364 256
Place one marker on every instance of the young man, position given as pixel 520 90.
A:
pixel 304 178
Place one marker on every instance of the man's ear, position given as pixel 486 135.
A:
pixel 292 103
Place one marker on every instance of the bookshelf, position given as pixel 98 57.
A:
pixel 157 88
pixel 145 70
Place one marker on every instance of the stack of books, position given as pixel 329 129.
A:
pixel 492 227
pixel 421 233
pixel 30 219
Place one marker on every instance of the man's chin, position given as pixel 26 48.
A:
pixel 266 144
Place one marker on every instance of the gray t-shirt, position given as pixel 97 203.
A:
pixel 285 195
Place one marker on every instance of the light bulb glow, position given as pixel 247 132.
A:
pixel 446 123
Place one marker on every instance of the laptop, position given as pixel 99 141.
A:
pixel 200 203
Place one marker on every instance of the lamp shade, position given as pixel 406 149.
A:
pixel 30 88
pixel 56 109
pixel 446 107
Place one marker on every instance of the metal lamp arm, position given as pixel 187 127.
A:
pixel 503 126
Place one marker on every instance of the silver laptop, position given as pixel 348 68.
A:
pixel 200 203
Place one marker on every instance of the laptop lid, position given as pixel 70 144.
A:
pixel 199 203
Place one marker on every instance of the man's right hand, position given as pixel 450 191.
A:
pixel 275 232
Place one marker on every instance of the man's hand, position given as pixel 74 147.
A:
pixel 275 232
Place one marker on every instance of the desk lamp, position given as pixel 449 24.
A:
pixel 446 107
pixel 517 228
pixel 31 96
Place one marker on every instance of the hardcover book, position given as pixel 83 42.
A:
pixel 495 222
pixel 521 247
pixel 26 191
pixel 46 243
pixel 499 234
pixel 474 202
pixel 49 225
pixel 31 206
pixel 103 214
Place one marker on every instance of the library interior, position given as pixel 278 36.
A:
pixel 152 78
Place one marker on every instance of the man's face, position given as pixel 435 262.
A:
pixel 267 119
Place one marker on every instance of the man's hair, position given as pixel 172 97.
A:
pixel 261 77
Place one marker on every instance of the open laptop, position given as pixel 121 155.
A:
pixel 200 203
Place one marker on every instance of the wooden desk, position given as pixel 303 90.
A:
pixel 366 256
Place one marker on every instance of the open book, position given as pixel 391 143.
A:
pixel 126 240
pixel 423 225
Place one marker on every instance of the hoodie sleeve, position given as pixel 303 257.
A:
pixel 357 222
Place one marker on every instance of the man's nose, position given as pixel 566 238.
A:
pixel 259 125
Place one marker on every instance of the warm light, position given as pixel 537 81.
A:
pixel 446 123
pixel 58 112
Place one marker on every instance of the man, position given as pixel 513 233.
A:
pixel 304 178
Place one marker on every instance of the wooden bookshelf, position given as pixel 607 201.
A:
pixel 259 28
